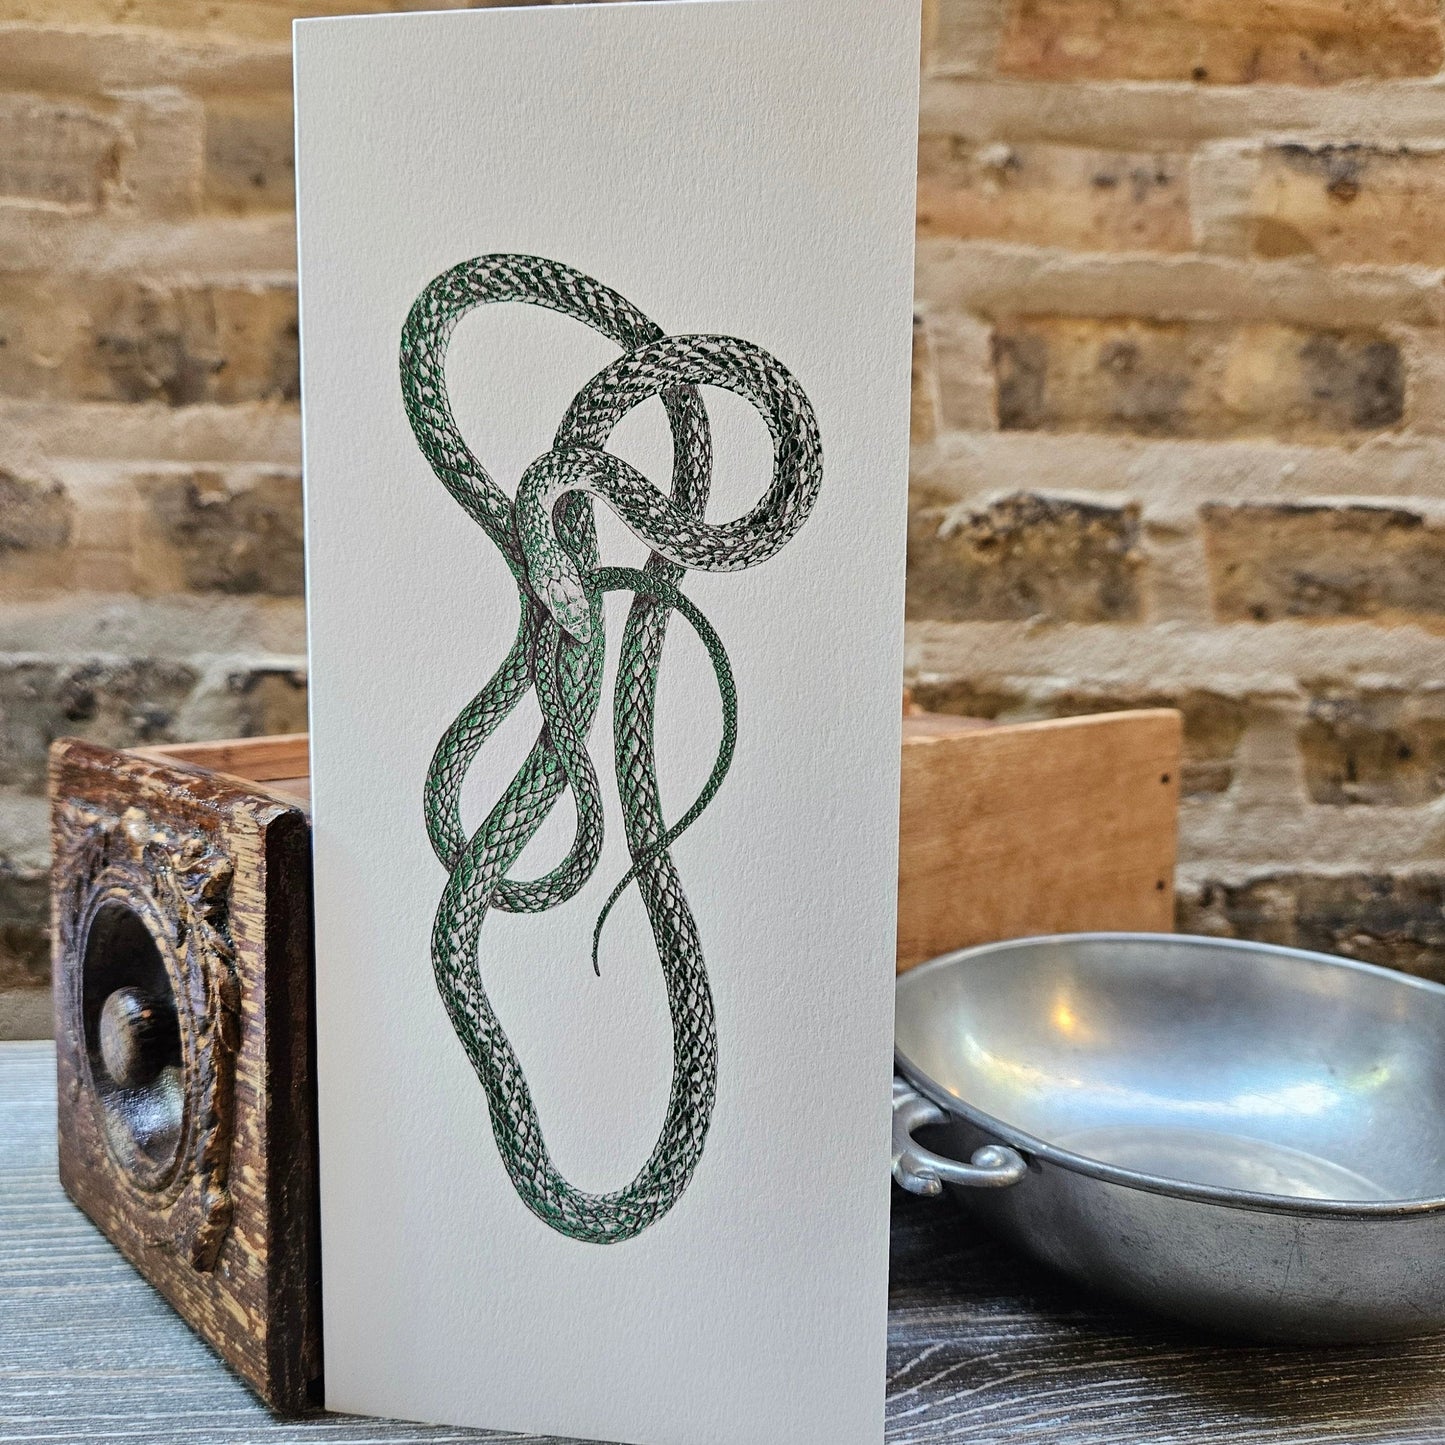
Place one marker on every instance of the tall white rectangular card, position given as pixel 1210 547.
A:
pixel 605 323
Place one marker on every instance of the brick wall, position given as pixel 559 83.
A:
pixel 1178 427
pixel 150 505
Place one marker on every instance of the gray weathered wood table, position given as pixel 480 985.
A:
pixel 982 1347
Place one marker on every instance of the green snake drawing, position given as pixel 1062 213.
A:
pixel 547 537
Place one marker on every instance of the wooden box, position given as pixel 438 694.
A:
pixel 1063 826
pixel 183 975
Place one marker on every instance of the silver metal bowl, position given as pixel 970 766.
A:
pixel 1248 1137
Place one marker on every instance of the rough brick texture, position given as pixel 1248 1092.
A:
pixel 1396 920
pixel 1359 204
pixel 230 539
pixel 1296 42
pixel 126 340
pixel 1023 557
pixel 34 516
pixel 1179 425
pixel 24 927
pixel 1194 379
pixel 1374 747
pixel 1178 415
pixel 248 153
pixel 117 703
pixel 1269 560
pixel 60 153
pixel 1060 195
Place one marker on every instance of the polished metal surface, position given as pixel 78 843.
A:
pixel 920 1171
pixel 1249 1137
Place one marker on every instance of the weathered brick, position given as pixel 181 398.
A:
pixel 244 537
pixel 127 340
pixel 1296 42
pixel 969 697
pixel 1384 746
pixel 160 171
pixel 1023 557
pixel 1424 353
pixel 1397 921
pixel 58 153
pixel 268 700
pixel 255 700
pixel 1005 282
pixel 150 345
pixel 225 344
pixel 1195 379
pixel 215 20
pixel 963 369
pixel 960 37
pixel 1214 723
pixel 35 516
pixel 24 925
pixel 1269 560
pixel 923 416
pixel 1350 203
pixel 1053 195
pixel 119 703
pixel 249 161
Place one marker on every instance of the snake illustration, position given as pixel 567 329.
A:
pixel 547 537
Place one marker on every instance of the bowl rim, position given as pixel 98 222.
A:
pixel 1031 1146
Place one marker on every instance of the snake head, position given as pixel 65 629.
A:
pixel 552 574
pixel 565 599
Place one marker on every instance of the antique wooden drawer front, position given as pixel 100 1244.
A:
pixel 182 962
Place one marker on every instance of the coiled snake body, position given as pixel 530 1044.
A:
pixel 548 538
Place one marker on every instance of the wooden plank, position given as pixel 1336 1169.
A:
pixel 1061 826
pixel 297 790
pixel 983 1347
pixel 255 760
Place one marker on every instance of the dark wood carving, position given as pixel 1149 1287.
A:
pixel 182 958
pixel 169 1127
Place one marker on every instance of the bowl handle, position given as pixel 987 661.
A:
pixel 920 1171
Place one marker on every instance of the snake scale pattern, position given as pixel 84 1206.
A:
pixel 547 537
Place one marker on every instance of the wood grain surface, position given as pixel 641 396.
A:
pixel 282 755
pixel 1062 826
pixel 217 876
pixel 983 1347
pixel 282 762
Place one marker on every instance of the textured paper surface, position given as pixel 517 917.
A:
pixel 737 167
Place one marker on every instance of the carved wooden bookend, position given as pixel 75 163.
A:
pixel 182 960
